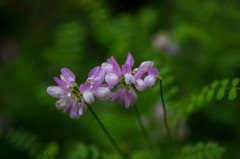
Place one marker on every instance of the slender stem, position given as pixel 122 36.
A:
pixel 107 133
pixel 164 112
pixel 142 128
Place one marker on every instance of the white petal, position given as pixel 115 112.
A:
pixel 63 103
pixel 129 78
pixel 104 93
pixel 149 81
pixel 107 67
pixel 55 91
pixel 112 78
pixel 64 80
pixel 88 97
pixel 139 84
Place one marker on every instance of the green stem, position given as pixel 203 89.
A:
pixel 142 128
pixel 106 132
pixel 164 112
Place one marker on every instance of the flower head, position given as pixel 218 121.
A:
pixel 74 98
pixel 68 94
pixel 143 76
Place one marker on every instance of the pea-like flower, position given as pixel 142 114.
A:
pixel 143 76
pixel 151 76
pixel 112 70
pixel 96 75
pixel 126 95
pixel 68 93
pixel 102 92
pixel 74 98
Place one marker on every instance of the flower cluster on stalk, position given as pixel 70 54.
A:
pixel 107 82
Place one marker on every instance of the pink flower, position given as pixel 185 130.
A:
pixel 112 70
pixel 102 92
pixel 126 95
pixel 96 75
pixel 143 76
pixel 150 79
pixel 67 93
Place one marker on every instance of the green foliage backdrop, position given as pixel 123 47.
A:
pixel 193 44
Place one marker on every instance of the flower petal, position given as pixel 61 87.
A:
pixel 103 93
pixel 126 96
pixel 68 75
pixel 130 60
pixel 133 96
pixel 112 78
pixel 83 109
pixel 107 67
pixel 144 66
pixel 61 83
pixel 129 78
pixel 74 110
pixel 149 81
pixel 93 71
pixel 63 103
pixel 96 75
pixel 116 68
pixel 138 75
pixel 139 84
pixel 88 97
pixel 84 87
pixel 55 91
pixel 126 68
pixel 153 71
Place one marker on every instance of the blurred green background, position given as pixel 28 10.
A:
pixel 192 43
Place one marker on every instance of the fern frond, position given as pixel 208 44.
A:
pixel 210 150
pixel 25 141
pixel 45 156
pixel 217 90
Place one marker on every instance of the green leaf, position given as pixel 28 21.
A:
pixel 190 107
pixel 200 99
pixel 215 84
pixel 232 94
pixel 209 150
pixel 205 89
pixel 220 93
pixel 95 152
pixel 235 82
pixel 224 82
pixel 209 95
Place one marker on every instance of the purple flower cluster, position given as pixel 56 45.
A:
pixel 106 82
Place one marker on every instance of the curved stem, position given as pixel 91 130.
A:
pixel 142 128
pixel 165 113
pixel 106 132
